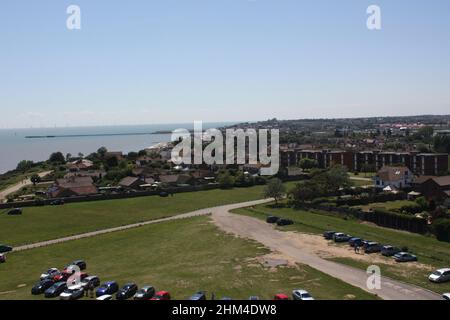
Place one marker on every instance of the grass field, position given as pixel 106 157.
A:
pixel 389 205
pixel 431 252
pixel 181 256
pixel 51 222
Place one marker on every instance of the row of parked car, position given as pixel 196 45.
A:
pixel 53 283
pixel 370 246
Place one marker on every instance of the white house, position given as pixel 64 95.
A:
pixel 394 177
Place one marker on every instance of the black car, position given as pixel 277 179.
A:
pixel 56 289
pixel 389 251
pixel 329 235
pixel 201 295
pixel 284 222
pixel 145 293
pixel 79 263
pixel 41 286
pixel 163 194
pixel 4 248
pixel 57 202
pixel 128 291
pixel 15 212
pixel 272 219
pixel 372 247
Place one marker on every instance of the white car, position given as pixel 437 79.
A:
pixel 301 295
pixel 72 293
pixel 50 273
pixel 441 275
pixel 105 297
pixel 446 296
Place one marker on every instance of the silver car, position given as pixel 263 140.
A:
pixel 441 275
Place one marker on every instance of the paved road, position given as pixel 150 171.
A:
pixel 280 241
pixel 20 185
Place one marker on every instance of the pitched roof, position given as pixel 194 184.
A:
pixel 441 181
pixel 128 181
pixel 74 182
pixel 388 173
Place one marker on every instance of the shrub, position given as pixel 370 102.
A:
pixel 441 229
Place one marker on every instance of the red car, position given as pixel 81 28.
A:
pixel 161 295
pixel 280 296
pixel 65 275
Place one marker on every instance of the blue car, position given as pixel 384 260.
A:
pixel 109 288
pixel 355 242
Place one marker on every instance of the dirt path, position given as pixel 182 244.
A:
pixel 310 250
pixel 20 185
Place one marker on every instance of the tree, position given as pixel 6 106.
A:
pixel 68 156
pixel 112 162
pixel 442 143
pixel 275 189
pixel 132 156
pixel 24 165
pixel 441 228
pixel 57 157
pixel 102 152
pixel 142 153
pixel 307 164
pixel 332 179
pixel 305 191
pixel 225 180
pixel 35 179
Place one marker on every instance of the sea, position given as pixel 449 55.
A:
pixel 15 146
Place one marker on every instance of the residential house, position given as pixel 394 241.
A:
pixel 433 188
pixel 134 183
pixel 393 177
pixel 72 186
pixel 177 179
pixel 79 165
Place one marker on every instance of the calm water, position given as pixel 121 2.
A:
pixel 14 147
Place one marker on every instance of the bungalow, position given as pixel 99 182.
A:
pixel 177 179
pixel 81 164
pixel 393 177
pixel 134 183
pixel 433 188
pixel 72 186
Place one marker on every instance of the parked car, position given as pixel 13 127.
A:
pixel 254 298
pixel 63 276
pixel 226 298
pixel 389 251
pixel 145 293
pixel 49 274
pixel 446 296
pixel 72 293
pixel 109 287
pixel 2 257
pixel 280 296
pixel 41 286
pixel 161 295
pixel 355 242
pixel 15 212
pixel 329 235
pixel 93 281
pixel 79 263
pixel 57 202
pixel 372 247
pixel 341 237
pixel 127 291
pixel 201 295
pixel 105 297
pixel 441 275
pixel 284 222
pixel 4 248
pixel 301 295
pixel 272 219
pixel 163 194
pixel 55 290
pixel 404 257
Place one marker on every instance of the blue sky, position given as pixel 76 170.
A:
pixel 176 61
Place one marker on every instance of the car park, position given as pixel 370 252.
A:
pixel 4 248
pixel 280 296
pixel 41 286
pixel 328 235
pixel 272 219
pixel 145 293
pixel 55 290
pixel 109 287
pixel 341 237
pixel 15 212
pixel 284 222
pixel 404 257
pixel 201 295
pixel 127 291
pixel 389 251
pixel 441 275
pixel 50 273
pixel 91 281
pixel 355 242
pixel 372 247
pixel 2 258
pixel 300 294
pixel 446 296
pixel 161 295
pixel 105 297
pixel 72 293
pixel 79 263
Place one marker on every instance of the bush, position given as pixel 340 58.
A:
pixel 441 229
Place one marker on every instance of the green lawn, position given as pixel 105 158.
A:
pixel 430 251
pixel 390 205
pixel 51 222
pixel 181 256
